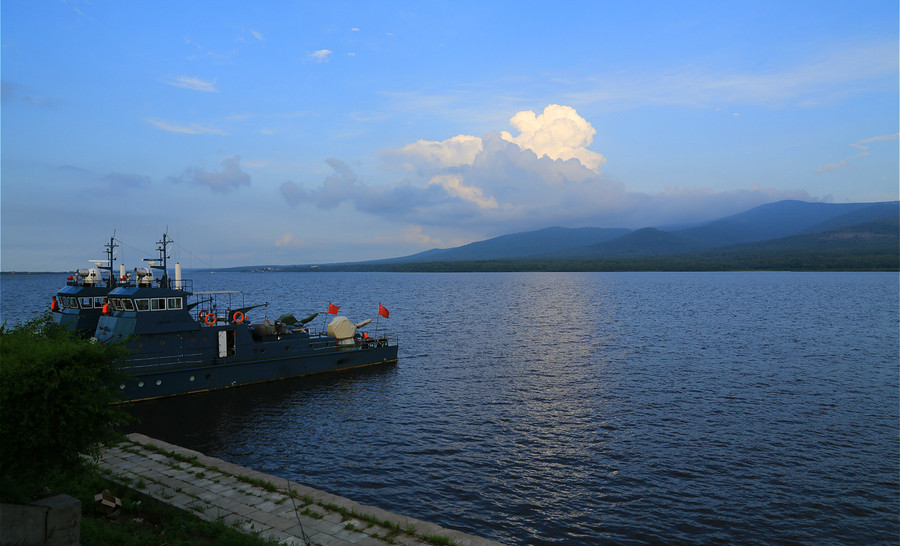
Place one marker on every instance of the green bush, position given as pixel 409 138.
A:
pixel 57 395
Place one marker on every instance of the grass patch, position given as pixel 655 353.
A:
pixel 268 486
pixel 311 514
pixel 439 540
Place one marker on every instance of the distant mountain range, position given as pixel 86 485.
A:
pixel 782 235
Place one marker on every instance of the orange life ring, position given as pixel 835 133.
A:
pixel 210 319
pixel 237 317
pixel 201 316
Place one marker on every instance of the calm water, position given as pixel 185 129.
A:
pixel 582 408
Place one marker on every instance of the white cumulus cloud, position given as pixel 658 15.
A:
pixel 559 133
pixel 453 152
pixel 498 183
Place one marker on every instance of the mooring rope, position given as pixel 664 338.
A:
pixel 306 539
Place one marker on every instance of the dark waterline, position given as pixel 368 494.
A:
pixel 583 408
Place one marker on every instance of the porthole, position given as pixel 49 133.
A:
pixel 140 384
pixel 192 378
pixel 122 386
pixel 158 382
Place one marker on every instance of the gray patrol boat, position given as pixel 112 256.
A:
pixel 183 342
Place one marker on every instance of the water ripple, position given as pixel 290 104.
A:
pixel 581 408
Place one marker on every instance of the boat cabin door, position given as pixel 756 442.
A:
pixel 226 343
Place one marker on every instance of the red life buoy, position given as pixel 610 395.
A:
pixel 201 316
pixel 237 317
pixel 211 319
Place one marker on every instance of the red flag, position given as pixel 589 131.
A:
pixel 382 310
pixel 333 309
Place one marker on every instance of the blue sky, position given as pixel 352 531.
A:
pixel 305 132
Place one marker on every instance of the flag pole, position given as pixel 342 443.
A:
pixel 377 316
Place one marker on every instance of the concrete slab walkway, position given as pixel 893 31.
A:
pixel 254 502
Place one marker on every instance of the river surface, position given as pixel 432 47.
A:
pixel 583 408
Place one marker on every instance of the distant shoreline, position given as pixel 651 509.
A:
pixel 11 273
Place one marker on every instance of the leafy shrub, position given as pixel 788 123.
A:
pixel 57 395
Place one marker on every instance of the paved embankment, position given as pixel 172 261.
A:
pixel 255 502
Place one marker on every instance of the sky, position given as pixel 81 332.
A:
pixel 318 132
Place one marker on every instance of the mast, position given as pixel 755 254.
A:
pixel 110 258
pixel 164 280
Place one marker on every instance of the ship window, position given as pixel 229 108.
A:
pixel 174 303
pixel 116 303
pixel 128 305
pixel 87 303
pixel 98 302
pixel 143 304
pixel 157 304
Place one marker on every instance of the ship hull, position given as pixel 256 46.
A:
pixel 147 381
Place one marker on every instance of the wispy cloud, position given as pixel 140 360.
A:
pixel 257 34
pixel 863 145
pixel 881 138
pixel 194 84
pixel 834 75
pixel 192 129
pixel 320 56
